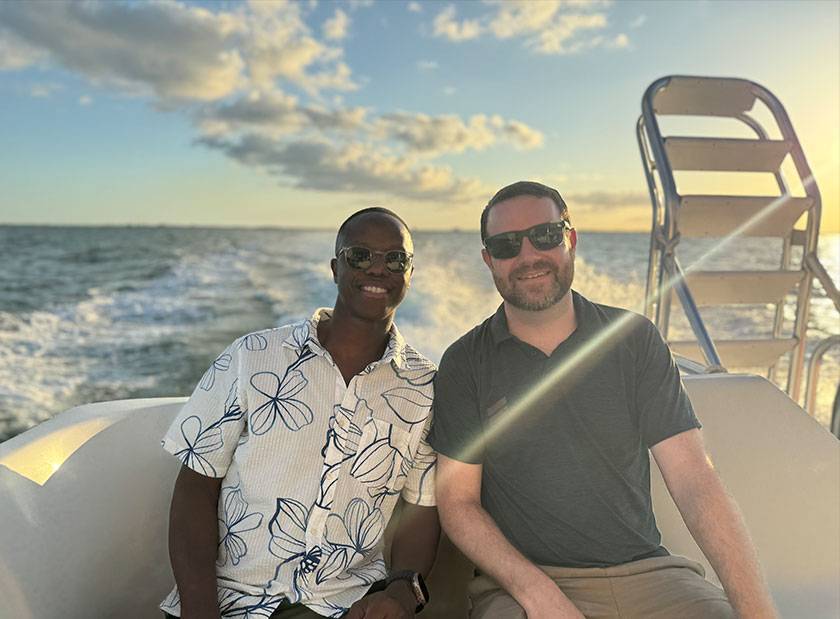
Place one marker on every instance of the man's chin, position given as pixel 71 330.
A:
pixel 534 302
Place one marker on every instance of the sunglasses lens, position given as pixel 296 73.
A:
pixel 547 236
pixel 397 261
pixel 361 258
pixel 358 257
pixel 542 236
pixel 503 246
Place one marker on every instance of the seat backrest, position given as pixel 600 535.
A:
pixel 91 541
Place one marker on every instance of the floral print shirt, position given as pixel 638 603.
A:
pixel 312 468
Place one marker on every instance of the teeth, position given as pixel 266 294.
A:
pixel 374 289
pixel 533 275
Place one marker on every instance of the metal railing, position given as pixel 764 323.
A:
pixel 664 268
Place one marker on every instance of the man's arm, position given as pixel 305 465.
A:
pixel 414 548
pixel 472 529
pixel 193 542
pixel 714 521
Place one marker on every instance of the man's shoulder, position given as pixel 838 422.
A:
pixel 269 339
pixel 415 360
pixel 470 347
pixel 607 314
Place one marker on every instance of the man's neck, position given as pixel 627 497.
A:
pixel 544 329
pixel 352 342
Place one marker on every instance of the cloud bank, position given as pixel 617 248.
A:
pixel 262 86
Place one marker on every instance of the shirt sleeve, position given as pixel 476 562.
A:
pixel 661 401
pixel 456 424
pixel 419 486
pixel 204 434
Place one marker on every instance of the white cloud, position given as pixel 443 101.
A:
pixel 336 27
pixel 546 26
pixel 562 36
pixel 15 54
pixel 638 21
pixel 446 26
pixel 433 136
pixel 171 50
pixel 517 18
pixel 280 45
pixel 449 91
pixel 43 91
pixel 522 136
pixel 355 167
pixel 415 7
pixel 232 69
pixel 176 52
pixel 621 41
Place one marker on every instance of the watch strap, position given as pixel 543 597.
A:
pixel 415 581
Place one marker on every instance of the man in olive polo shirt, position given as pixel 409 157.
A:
pixel 544 415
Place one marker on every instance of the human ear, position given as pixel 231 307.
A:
pixel 487 259
pixel 333 267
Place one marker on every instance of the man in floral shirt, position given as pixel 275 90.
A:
pixel 297 444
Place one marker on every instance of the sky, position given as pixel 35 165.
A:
pixel 295 114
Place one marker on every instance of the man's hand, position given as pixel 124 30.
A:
pixel 549 602
pixel 396 602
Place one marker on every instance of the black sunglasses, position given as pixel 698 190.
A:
pixel 542 236
pixel 396 260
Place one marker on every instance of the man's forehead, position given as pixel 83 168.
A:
pixel 521 212
pixel 376 227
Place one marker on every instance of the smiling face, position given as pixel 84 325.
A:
pixel 374 293
pixel 533 280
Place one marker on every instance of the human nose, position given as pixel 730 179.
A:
pixel 528 250
pixel 377 264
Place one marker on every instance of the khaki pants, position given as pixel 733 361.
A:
pixel 656 588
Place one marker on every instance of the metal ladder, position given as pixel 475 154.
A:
pixel 678 215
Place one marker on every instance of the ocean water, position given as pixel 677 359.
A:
pixel 92 314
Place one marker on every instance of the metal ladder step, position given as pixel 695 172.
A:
pixel 707 215
pixel 739 353
pixel 704 96
pixel 726 154
pixel 741 287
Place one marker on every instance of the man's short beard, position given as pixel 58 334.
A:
pixel 560 287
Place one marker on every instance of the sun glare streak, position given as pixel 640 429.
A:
pixel 725 241
pixel 39 459
pixel 507 417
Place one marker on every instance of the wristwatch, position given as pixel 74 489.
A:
pixel 418 586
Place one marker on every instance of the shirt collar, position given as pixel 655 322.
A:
pixel 306 333
pixel 500 332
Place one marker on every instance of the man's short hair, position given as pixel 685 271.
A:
pixel 366 211
pixel 523 188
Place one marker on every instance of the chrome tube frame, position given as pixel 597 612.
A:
pixel 664 233
pixel 800 325
pixel 813 373
pixel 649 126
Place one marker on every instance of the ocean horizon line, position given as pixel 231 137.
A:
pixel 453 229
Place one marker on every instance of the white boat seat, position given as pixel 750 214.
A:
pixel 89 540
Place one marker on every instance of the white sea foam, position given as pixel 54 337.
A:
pixel 126 335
